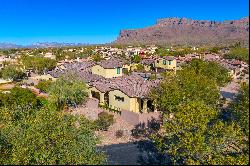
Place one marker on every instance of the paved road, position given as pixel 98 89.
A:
pixel 122 154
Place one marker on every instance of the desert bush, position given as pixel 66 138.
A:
pixel 119 133
pixel 44 85
pixel 104 121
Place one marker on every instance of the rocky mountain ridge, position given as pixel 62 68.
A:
pixel 183 31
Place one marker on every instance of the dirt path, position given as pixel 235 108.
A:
pixel 230 90
pixel 6 86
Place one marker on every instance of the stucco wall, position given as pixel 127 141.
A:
pixel 130 104
pixel 96 90
pixel 107 73
pixel 133 66
pixel 167 66
pixel 110 73
pixel 126 66
pixel 97 69
pixel 147 67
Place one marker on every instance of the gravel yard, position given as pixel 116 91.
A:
pixel 91 111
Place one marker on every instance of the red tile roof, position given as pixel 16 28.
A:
pixel 111 63
pixel 133 85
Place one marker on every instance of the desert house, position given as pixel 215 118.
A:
pixel 125 93
pixel 109 68
pixel 167 62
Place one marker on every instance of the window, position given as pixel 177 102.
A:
pixel 118 70
pixel 170 62
pixel 118 98
pixel 164 62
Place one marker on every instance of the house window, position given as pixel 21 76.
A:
pixel 118 98
pixel 164 62
pixel 118 70
pixel 170 62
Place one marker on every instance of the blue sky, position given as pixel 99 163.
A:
pixel 99 21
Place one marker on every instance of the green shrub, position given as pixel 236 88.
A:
pixel 96 57
pixel 106 107
pixel 114 110
pixel 104 121
pixel 136 59
pixel 13 72
pixel 152 77
pixel 44 85
pixel 126 72
pixel 238 53
pixel 140 67
pixel 138 132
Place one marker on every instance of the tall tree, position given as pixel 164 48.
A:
pixel 192 134
pixel 47 137
pixel 38 64
pixel 184 87
pixel 212 70
pixel 240 108
pixel 239 53
pixel 193 131
pixel 12 72
pixel 40 133
pixel 68 90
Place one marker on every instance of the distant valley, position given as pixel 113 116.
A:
pixel 39 45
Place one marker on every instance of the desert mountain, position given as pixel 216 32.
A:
pixel 182 31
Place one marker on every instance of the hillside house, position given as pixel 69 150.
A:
pixel 168 63
pixel 109 68
pixel 149 64
pixel 49 55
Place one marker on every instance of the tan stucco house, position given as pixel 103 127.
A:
pixel 167 62
pixel 108 68
pixel 124 93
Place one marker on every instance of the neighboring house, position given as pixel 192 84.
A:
pixel 232 70
pixel 34 80
pixel 49 55
pixel 148 64
pixel 108 68
pixel 78 69
pixel 168 63
pixel 4 59
pixel 44 77
pixel 211 57
pixel 192 56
